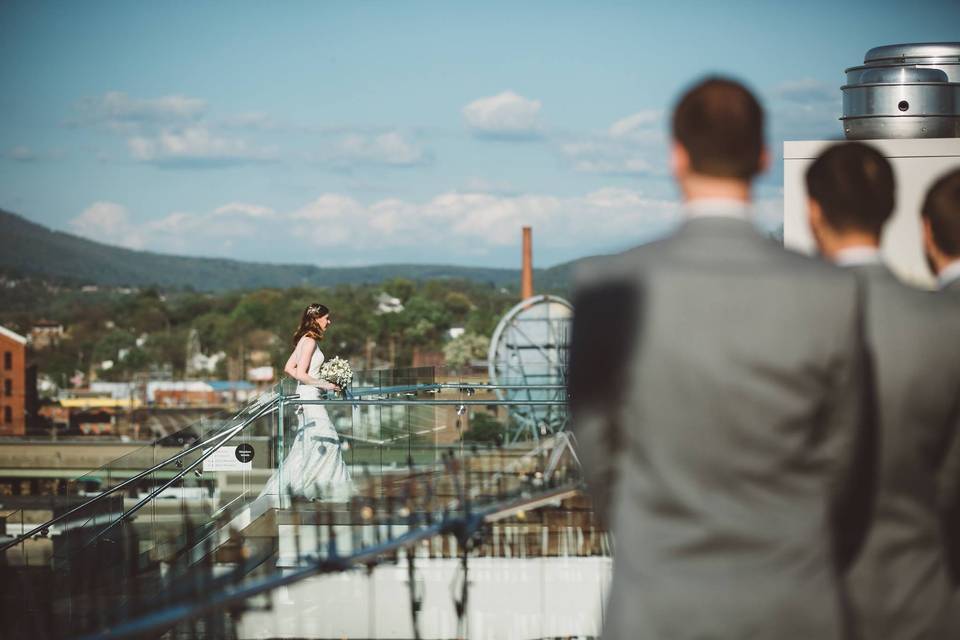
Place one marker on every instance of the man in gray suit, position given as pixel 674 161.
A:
pixel 717 391
pixel 941 238
pixel 941 230
pixel 899 585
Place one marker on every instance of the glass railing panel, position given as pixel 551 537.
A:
pixel 397 445
pixel 98 556
pixel 135 462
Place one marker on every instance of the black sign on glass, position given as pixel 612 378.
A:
pixel 244 452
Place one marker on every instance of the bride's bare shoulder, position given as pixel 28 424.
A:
pixel 306 343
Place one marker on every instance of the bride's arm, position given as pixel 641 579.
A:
pixel 298 365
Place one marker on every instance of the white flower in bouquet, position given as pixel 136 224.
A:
pixel 337 371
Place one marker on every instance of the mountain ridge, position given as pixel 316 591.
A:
pixel 32 249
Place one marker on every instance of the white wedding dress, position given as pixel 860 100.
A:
pixel 314 466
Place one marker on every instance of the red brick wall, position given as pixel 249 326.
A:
pixel 16 373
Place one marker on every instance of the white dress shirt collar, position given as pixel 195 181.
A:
pixel 949 274
pixel 857 256
pixel 718 208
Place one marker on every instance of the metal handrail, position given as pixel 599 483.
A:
pixel 100 496
pixel 295 400
pixel 227 435
pixel 464 525
pixel 438 386
pixel 432 403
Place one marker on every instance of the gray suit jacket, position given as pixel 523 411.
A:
pixel 899 585
pixel 717 391
pixel 950 487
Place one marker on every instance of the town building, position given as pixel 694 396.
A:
pixel 13 383
pixel 46 333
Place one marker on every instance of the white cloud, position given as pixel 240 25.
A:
pixel 254 120
pixel 23 153
pixel 804 108
pixel 123 113
pixel 642 124
pixel 174 130
pixel 178 231
pixel 194 145
pixel 479 221
pixel 244 209
pixel 337 229
pixel 108 222
pixel 391 149
pixel 635 145
pixel 806 90
pixel 329 220
pixel 506 115
pixel 482 185
pixel 20 153
pixel 236 219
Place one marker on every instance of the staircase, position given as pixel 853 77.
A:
pixel 187 547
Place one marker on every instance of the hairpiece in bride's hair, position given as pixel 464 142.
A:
pixel 308 323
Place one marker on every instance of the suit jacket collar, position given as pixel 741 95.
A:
pixel 872 271
pixel 855 256
pixel 716 227
pixel 717 208
pixel 950 277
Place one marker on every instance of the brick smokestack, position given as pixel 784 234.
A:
pixel 526 278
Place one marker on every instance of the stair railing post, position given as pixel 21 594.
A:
pixel 278 452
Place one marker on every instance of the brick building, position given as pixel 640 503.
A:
pixel 13 383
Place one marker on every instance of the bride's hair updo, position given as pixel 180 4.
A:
pixel 308 323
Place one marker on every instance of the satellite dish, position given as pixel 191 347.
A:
pixel 530 347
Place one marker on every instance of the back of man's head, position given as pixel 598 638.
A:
pixel 854 186
pixel 941 210
pixel 720 124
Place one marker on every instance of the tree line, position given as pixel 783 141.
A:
pixel 144 330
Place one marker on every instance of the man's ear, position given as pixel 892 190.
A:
pixel 679 160
pixel 928 241
pixel 930 247
pixel 764 163
pixel 814 213
pixel 816 222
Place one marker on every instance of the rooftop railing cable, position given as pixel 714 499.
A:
pixel 421 526
pixel 132 481
pixel 215 442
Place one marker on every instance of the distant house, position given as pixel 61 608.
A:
pixel 261 375
pixel 13 383
pixel 114 390
pixel 181 393
pixel 46 333
pixel 202 363
pixel 388 304
pixel 232 390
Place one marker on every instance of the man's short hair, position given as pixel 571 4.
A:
pixel 720 124
pixel 942 208
pixel 854 186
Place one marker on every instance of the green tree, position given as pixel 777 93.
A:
pixel 483 428
pixel 460 351
pixel 457 304
pixel 400 288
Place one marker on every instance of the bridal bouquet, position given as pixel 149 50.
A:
pixel 337 371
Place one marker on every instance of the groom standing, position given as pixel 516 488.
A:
pixel 717 385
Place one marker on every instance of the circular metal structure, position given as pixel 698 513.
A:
pixel 904 91
pixel 529 348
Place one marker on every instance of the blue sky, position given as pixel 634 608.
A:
pixel 364 133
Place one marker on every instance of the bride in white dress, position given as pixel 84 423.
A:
pixel 314 467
